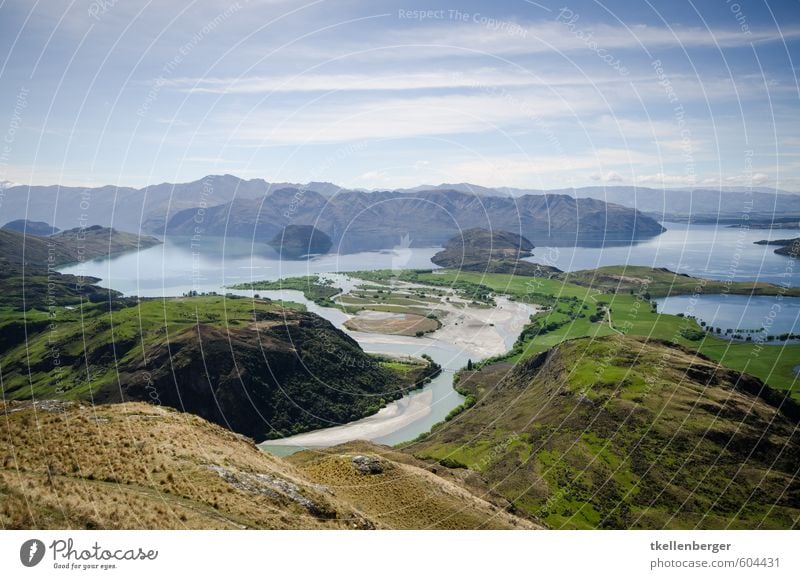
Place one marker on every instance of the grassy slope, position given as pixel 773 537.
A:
pixel 407 493
pixel 623 433
pixel 136 466
pixel 140 466
pixel 661 282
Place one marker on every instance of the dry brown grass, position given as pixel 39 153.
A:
pixel 138 466
pixel 406 494
pixel 133 465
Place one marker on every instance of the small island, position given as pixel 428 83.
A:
pixel 28 227
pixel 489 251
pixel 297 241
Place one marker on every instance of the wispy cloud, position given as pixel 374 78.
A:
pixel 349 82
pixel 398 118
pixel 553 37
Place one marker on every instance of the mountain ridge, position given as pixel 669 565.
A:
pixel 152 208
pixel 358 221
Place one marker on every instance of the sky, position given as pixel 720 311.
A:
pixel 379 95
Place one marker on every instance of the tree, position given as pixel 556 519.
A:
pixel 469 364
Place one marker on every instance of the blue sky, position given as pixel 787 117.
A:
pixel 393 94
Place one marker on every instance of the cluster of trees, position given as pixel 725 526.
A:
pixel 741 334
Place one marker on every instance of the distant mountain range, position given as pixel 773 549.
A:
pixel 357 220
pixel 360 221
pixel 666 204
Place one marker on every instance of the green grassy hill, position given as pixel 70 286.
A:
pixel 622 432
pixel 254 366
pixel 660 282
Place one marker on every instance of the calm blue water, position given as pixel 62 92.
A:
pixel 176 266
pixel 699 250
pixel 773 315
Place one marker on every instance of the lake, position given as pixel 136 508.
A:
pixel 774 314
pixel 176 266
pixel 711 251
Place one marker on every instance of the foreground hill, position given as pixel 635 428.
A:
pixel 624 433
pixel 408 493
pixel 357 221
pixel 140 466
